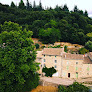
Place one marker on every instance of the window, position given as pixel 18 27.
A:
pixel 44 65
pixel 76 68
pixel 55 66
pixel 88 68
pixel 76 62
pixel 55 61
pixel 67 67
pixel 44 60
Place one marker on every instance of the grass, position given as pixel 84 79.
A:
pixel 45 89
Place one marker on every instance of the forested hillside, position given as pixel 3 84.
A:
pixel 49 25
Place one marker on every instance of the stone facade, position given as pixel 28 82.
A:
pixel 67 65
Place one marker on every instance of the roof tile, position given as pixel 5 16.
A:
pixel 52 51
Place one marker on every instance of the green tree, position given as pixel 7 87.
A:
pixel 65 48
pixel 57 8
pixel 82 38
pixel 13 5
pixel 21 5
pixel 40 6
pixel 64 27
pixel 10 26
pixel 88 45
pixel 51 24
pixel 30 6
pixel 37 45
pixel 27 5
pixel 75 9
pixel 61 88
pixel 49 71
pixel 36 26
pixel 76 87
pixel 17 62
pixel 89 35
pixel 50 35
pixel 88 28
pixel 86 13
pixel 34 6
pixel 83 50
pixel 65 8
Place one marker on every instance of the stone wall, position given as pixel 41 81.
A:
pixel 45 83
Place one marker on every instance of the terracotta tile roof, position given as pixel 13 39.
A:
pixel 73 56
pixel 52 51
pixel 87 60
pixel 90 55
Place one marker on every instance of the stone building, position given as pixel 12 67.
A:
pixel 67 65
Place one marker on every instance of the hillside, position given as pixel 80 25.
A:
pixel 72 48
pixel 50 25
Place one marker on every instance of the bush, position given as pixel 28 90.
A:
pixel 83 51
pixel 75 87
pixel 61 88
pixel 49 71
pixel 37 45
pixel 65 48
pixel 88 45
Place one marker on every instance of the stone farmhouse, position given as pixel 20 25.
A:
pixel 67 65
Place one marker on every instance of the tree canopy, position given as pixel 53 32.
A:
pixel 17 60
pixel 73 26
pixel 49 35
pixel 49 71
pixel 75 87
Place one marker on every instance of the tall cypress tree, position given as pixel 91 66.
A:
pixel 34 6
pixel 86 13
pixel 13 5
pixel 21 5
pixel 40 5
pixel 30 6
pixel 27 5
pixel 75 9
pixel 65 8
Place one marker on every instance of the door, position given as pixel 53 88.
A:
pixel 76 74
pixel 68 75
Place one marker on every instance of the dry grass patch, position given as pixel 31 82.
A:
pixel 45 89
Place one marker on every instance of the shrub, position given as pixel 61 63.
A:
pixel 88 45
pixel 61 88
pixel 65 48
pixel 37 45
pixel 76 87
pixel 49 71
pixel 83 51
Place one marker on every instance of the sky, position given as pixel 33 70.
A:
pixel 81 4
